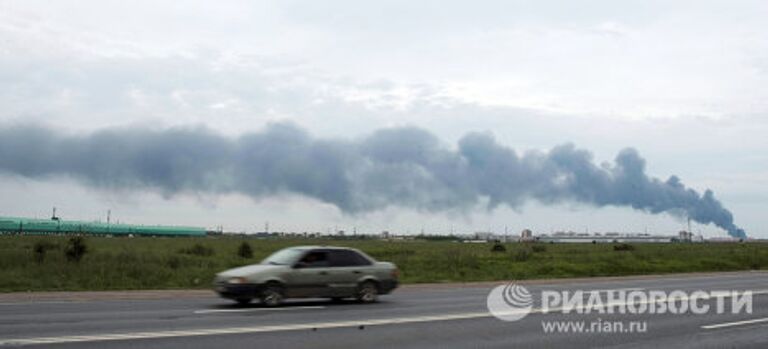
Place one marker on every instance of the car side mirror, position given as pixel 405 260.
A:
pixel 300 265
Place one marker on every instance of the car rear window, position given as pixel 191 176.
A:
pixel 347 258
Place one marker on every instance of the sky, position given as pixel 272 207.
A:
pixel 685 83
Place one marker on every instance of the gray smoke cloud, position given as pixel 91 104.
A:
pixel 407 167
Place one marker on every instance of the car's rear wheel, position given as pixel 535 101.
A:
pixel 368 292
pixel 272 295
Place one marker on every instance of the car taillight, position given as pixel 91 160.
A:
pixel 395 273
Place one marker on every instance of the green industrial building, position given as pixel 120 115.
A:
pixel 30 226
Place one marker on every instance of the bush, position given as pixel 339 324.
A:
pixel 76 249
pixel 539 248
pixel 41 248
pixel 198 250
pixel 39 251
pixel 498 247
pixel 245 250
pixel 623 247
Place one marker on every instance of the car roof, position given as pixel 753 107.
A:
pixel 323 248
pixel 340 248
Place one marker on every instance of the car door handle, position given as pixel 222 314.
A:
pixel 356 272
pixel 323 273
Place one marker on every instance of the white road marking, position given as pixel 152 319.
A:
pixel 240 330
pixel 246 310
pixel 304 326
pixel 42 302
pixel 735 323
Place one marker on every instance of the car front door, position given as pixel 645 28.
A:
pixel 310 276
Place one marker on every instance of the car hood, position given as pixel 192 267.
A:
pixel 249 270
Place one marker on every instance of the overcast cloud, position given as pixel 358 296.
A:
pixel 683 82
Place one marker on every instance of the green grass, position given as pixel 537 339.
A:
pixel 167 263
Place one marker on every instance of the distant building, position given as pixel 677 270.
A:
pixel 685 236
pixel 571 237
pixel 723 239
pixel 484 236
pixel 526 235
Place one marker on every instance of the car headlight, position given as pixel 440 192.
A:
pixel 237 280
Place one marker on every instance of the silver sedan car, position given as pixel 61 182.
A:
pixel 309 271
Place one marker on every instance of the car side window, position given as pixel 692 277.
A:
pixel 345 258
pixel 315 259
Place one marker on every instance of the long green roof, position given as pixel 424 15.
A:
pixel 48 226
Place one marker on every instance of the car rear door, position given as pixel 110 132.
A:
pixel 347 268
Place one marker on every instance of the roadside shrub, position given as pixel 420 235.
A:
pixel 623 247
pixel 173 262
pixel 498 247
pixel 41 248
pixel 76 249
pixel 198 250
pixel 539 248
pixel 245 251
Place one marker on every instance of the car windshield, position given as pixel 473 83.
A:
pixel 284 257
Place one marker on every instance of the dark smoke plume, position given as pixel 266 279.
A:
pixel 405 167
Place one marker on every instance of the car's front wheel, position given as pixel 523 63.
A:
pixel 368 292
pixel 272 295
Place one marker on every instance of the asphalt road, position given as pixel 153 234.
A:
pixel 444 316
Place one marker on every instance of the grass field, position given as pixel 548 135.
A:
pixel 164 263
